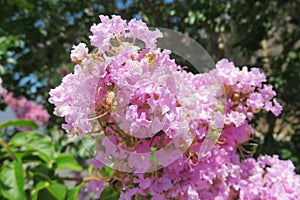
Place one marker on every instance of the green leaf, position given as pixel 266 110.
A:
pixel 153 149
pixel 109 194
pixel 12 181
pixel 57 190
pixel 72 194
pixel 36 142
pixel 45 194
pixel 3 155
pixel 35 191
pixel 27 156
pixel 38 176
pixel 67 161
pixel 153 158
pixel 21 122
pixel 41 172
pixel 49 190
pixel 286 154
pixel 107 172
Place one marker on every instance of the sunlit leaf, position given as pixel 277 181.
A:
pixel 109 194
pixel 57 190
pixel 36 142
pixel 41 185
pixel 20 123
pixel 67 161
pixel 72 194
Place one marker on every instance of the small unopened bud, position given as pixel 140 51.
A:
pixel 235 97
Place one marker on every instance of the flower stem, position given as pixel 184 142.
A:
pixel 82 179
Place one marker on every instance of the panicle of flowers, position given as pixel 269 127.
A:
pixel 175 133
pixel 222 176
pixel 268 178
pixel 245 91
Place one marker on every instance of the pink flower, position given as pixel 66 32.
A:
pixel 227 72
pixel 218 122
pixel 192 193
pixel 139 161
pixel 267 92
pixel 144 183
pixel 277 108
pixel 236 118
pixel 255 101
pixel 79 52
pixel 96 187
pixel 138 29
pixel 274 107
pixel 109 28
pixel 268 178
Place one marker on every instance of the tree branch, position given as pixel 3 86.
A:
pixel 82 179
pixel 5 145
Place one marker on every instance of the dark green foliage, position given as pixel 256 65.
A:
pixel 30 165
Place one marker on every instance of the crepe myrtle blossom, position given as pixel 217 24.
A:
pixel 146 108
pixel 79 52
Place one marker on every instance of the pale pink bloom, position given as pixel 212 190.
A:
pixel 79 52
pixel 236 118
pixel 255 101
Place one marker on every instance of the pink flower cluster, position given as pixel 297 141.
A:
pixel 164 130
pixel 222 176
pixel 25 109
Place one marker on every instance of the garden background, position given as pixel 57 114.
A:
pixel 36 38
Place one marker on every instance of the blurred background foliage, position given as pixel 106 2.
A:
pixel 36 37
